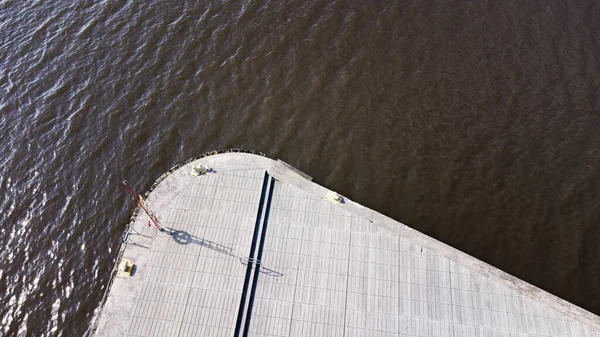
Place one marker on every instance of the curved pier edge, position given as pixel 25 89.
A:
pixel 164 191
pixel 134 214
pixel 174 168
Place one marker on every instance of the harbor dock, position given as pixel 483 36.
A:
pixel 250 246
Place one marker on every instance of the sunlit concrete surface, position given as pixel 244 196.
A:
pixel 253 248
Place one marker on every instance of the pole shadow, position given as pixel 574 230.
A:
pixel 185 238
pixel 262 270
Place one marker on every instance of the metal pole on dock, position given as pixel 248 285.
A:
pixel 150 214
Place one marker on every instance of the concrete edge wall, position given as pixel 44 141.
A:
pixel 296 178
pixel 132 220
pixel 543 297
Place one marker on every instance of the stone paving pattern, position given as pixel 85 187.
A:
pixel 325 270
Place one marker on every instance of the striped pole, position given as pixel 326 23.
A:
pixel 150 215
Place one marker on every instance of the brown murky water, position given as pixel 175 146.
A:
pixel 474 122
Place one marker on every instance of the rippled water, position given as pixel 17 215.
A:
pixel 474 122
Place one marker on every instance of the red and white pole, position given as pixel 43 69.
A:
pixel 150 215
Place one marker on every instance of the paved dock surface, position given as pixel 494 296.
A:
pixel 255 249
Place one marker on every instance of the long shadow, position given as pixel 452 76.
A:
pixel 185 238
pixel 263 270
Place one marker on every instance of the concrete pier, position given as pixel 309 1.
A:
pixel 252 247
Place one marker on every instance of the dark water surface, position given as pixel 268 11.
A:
pixel 476 122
